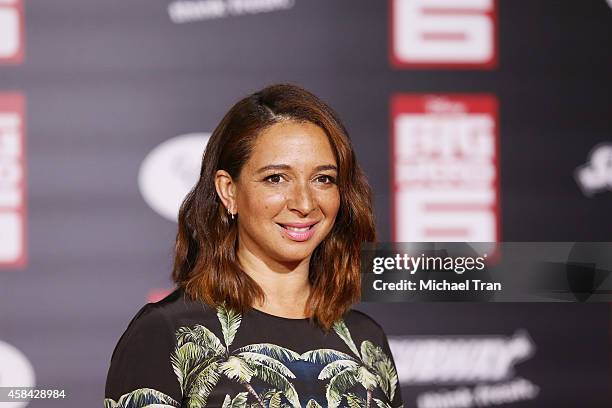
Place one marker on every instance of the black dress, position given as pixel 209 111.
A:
pixel 182 353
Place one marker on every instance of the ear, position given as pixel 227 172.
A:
pixel 226 189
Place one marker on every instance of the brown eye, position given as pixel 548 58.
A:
pixel 326 179
pixel 274 178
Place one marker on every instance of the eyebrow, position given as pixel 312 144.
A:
pixel 287 167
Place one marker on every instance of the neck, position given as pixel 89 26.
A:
pixel 285 286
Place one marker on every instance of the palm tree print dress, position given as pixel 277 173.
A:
pixel 183 353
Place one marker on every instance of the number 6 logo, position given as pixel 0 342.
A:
pixel 443 33
pixel 11 31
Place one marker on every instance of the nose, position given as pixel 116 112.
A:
pixel 301 199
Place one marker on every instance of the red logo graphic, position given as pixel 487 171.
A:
pixel 157 294
pixel 11 31
pixel 443 33
pixel 445 168
pixel 12 181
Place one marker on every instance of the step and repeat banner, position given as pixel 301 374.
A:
pixel 475 120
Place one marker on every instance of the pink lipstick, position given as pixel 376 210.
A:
pixel 299 231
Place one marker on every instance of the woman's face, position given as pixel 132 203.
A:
pixel 286 196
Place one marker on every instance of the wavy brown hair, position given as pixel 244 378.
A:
pixel 205 263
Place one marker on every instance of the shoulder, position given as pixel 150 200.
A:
pixel 148 323
pixel 367 339
pixel 141 363
pixel 363 327
pixel 155 323
pixel 359 321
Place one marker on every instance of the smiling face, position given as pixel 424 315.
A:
pixel 286 195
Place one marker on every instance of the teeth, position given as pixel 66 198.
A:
pixel 297 229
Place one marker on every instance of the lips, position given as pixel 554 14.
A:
pixel 299 231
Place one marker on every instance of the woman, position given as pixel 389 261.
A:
pixel 267 268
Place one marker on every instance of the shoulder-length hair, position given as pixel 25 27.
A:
pixel 206 265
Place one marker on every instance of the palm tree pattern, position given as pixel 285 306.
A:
pixel 370 368
pixel 201 359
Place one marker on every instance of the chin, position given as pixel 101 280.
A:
pixel 294 256
pixel 288 254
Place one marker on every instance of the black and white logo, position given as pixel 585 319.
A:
pixel 169 171
pixel 15 371
pixel 185 11
pixel 596 175
pixel 464 371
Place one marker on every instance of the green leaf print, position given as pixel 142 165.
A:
pixel 345 335
pixel 239 401
pixel 275 400
pixel 354 401
pixel 370 368
pixel 271 350
pixel 141 398
pixel 323 356
pixel 203 385
pixel 381 404
pixel 339 384
pixel 313 404
pixel 335 367
pixel 230 321
pixel 201 359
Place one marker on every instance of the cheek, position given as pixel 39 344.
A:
pixel 264 204
pixel 330 203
